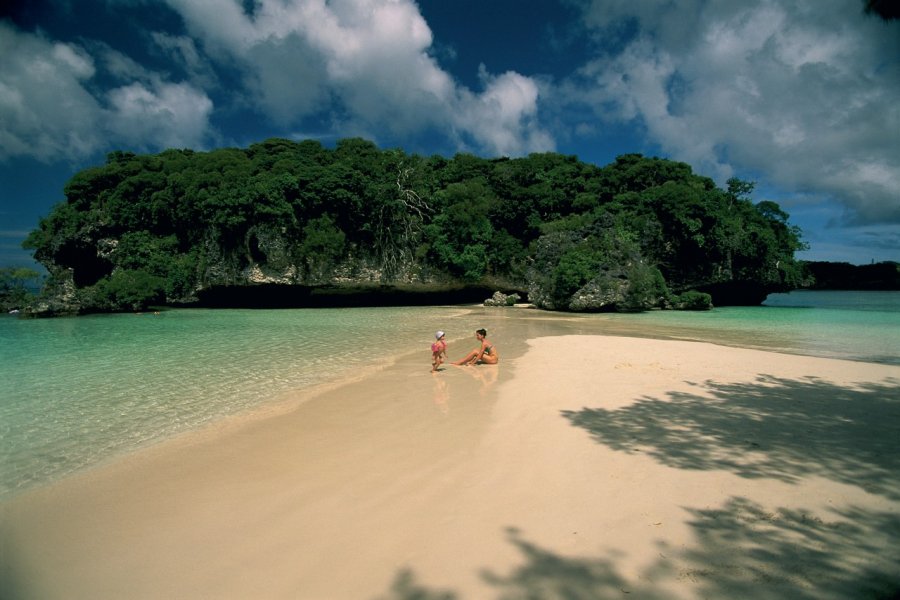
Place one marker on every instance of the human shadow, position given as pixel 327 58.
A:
pixel 777 428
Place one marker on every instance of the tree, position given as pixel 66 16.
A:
pixel 151 228
pixel 460 234
pixel 16 287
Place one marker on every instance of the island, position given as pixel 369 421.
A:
pixel 286 223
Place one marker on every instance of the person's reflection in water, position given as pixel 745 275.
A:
pixel 441 395
pixel 487 376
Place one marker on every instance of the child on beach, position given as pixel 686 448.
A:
pixel 438 351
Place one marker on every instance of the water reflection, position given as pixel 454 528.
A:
pixel 485 374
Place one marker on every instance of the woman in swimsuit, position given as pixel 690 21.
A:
pixel 486 354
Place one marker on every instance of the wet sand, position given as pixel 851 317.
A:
pixel 582 466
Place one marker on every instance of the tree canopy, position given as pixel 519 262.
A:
pixel 17 287
pixel 145 229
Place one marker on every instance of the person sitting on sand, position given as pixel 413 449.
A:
pixel 484 355
pixel 438 351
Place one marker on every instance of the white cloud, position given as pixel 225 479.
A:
pixel 45 111
pixel 163 115
pixel 48 110
pixel 803 93
pixel 367 63
pixel 502 119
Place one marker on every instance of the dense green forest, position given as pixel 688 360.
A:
pixel 638 233
pixel 844 276
pixel 17 285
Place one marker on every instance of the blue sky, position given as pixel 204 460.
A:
pixel 799 96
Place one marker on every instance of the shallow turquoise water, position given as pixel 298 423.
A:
pixel 850 325
pixel 77 391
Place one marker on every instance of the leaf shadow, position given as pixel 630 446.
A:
pixel 549 575
pixel 406 587
pixel 746 550
pixel 741 549
pixel 778 428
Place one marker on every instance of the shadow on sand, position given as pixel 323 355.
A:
pixel 741 550
pixel 405 587
pixel 773 428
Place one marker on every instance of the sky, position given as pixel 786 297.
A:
pixel 801 97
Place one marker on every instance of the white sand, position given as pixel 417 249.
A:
pixel 589 467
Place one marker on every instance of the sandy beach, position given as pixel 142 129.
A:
pixel 581 467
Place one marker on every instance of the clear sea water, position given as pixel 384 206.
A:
pixel 77 391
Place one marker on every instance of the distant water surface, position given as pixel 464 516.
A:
pixel 850 325
pixel 77 391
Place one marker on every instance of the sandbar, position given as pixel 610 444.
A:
pixel 583 466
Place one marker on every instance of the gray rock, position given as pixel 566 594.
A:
pixel 501 299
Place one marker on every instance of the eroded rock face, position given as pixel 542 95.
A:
pixel 266 270
pixel 60 297
pixel 601 294
pixel 267 273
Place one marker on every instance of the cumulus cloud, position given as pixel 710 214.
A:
pixel 367 64
pixel 803 93
pixel 162 115
pixel 45 110
pixel 50 109
pixel 503 118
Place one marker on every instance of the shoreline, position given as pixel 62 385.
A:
pixel 595 464
pixel 22 478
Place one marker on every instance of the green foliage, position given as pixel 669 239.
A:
pixel 575 268
pixel 646 288
pixel 148 228
pixel 692 300
pixel 460 235
pixel 16 285
pixel 128 289
pixel 322 237
pixel 322 245
pixel 139 250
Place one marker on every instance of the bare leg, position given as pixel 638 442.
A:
pixel 468 358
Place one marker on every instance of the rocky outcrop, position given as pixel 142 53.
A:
pixel 58 298
pixel 602 293
pixel 501 299
pixel 265 274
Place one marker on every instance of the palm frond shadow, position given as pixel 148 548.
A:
pixel 777 428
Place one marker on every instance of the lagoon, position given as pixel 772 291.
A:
pixel 78 392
